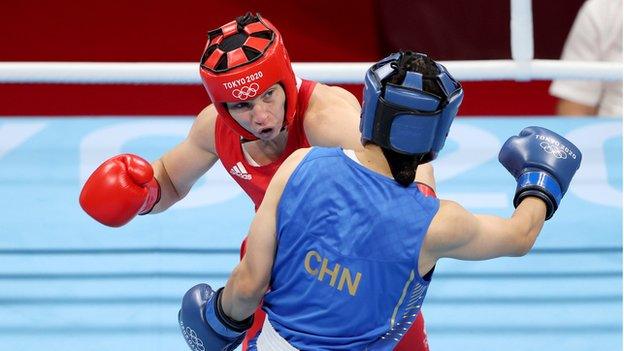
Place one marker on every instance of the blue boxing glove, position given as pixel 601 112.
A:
pixel 543 163
pixel 205 326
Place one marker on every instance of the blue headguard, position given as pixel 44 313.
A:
pixel 404 118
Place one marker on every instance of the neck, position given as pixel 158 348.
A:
pixel 266 151
pixel 373 158
pixel 277 144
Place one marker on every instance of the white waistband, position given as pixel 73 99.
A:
pixel 270 340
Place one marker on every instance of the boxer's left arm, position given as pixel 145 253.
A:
pixel 250 279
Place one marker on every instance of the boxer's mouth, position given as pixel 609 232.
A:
pixel 266 131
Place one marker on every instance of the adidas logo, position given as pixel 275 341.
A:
pixel 240 171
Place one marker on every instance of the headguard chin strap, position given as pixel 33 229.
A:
pixel 403 117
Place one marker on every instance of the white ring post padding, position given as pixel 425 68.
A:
pixel 326 72
pixel 521 30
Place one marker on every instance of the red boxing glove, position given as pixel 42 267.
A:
pixel 118 190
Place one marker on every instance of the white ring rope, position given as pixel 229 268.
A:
pixel 327 72
pixel 522 68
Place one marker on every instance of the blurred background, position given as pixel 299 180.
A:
pixel 314 31
pixel 69 283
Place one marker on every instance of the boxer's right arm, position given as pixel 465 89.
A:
pixel 543 164
pixel 127 185
pixel 457 233
pixel 182 166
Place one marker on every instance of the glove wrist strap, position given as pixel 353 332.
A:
pixel 222 323
pixel 541 185
pixel 153 196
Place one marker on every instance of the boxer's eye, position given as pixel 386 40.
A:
pixel 239 106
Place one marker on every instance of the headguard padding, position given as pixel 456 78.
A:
pixel 403 117
pixel 255 61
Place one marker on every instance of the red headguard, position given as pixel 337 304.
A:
pixel 246 69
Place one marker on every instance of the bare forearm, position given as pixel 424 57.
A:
pixel 529 218
pixel 168 193
pixel 240 298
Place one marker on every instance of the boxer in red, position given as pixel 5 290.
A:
pixel 260 114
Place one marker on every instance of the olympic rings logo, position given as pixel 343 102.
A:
pixel 555 151
pixel 194 342
pixel 246 92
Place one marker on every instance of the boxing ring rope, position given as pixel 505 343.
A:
pixel 326 72
pixel 522 67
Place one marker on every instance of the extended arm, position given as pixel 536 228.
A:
pixel 543 164
pixel 179 169
pixel 457 233
pixel 127 185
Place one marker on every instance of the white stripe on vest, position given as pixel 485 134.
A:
pixel 270 340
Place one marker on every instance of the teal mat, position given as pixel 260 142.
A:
pixel 69 283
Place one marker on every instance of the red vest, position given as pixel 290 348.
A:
pixel 255 180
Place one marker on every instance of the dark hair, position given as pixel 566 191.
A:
pixel 403 167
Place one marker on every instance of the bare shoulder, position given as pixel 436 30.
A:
pixel 286 169
pixel 325 96
pixel 333 118
pixel 292 161
pixel 342 93
pixel 202 133
pixel 447 212
pixel 447 225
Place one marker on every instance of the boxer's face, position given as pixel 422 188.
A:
pixel 263 116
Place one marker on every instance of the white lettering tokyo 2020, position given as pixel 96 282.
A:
pixel 240 81
pixel 553 146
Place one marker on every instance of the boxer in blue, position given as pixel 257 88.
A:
pixel 348 243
